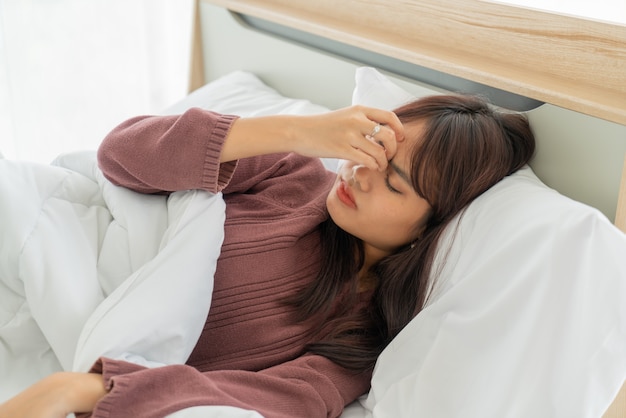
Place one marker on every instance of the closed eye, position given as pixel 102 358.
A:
pixel 390 187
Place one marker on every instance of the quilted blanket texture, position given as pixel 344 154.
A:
pixel 89 269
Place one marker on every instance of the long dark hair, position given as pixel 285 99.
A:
pixel 467 147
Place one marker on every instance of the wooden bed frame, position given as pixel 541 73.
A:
pixel 541 55
pixel 618 407
pixel 577 67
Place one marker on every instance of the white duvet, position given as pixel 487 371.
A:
pixel 88 269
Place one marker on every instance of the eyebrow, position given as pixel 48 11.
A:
pixel 400 172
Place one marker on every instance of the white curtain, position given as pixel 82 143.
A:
pixel 70 70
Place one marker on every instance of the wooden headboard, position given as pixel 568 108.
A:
pixel 580 128
pixel 572 70
pixel 575 63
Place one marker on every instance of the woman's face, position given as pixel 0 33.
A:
pixel 380 208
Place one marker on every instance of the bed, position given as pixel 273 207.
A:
pixel 549 341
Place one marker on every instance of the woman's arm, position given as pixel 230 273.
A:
pixel 340 134
pixel 199 149
pixel 309 386
pixel 152 154
pixel 56 396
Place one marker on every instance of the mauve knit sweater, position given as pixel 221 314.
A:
pixel 251 353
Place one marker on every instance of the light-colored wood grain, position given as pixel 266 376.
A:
pixel 620 213
pixel 618 407
pixel 196 74
pixel 571 62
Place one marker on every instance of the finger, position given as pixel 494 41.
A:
pixel 387 118
pixel 360 157
pixel 361 151
pixel 386 138
pixel 375 130
pixel 374 149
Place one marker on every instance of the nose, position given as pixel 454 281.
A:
pixel 362 177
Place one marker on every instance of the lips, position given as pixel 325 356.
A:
pixel 345 194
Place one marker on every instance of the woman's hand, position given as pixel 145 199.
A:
pixel 56 396
pixel 348 133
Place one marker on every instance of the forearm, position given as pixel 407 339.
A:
pixel 250 137
pixel 84 390
pixel 343 134
pixel 309 386
pixel 197 150
pixel 154 154
pixel 56 396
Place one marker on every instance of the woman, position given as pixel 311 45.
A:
pixel 318 271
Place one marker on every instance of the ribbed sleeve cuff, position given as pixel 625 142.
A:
pixel 113 373
pixel 217 175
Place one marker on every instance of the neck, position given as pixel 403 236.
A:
pixel 372 256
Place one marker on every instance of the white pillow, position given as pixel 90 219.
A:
pixel 244 94
pixel 527 317
pixel 375 90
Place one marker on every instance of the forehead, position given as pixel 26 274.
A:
pixel 412 137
